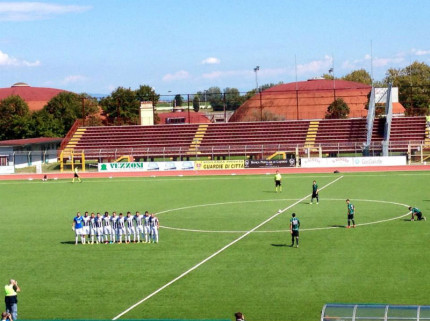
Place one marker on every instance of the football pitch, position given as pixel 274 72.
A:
pixel 223 246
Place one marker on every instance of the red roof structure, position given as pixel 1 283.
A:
pixel 35 97
pixel 306 100
pixel 30 141
pixel 183 117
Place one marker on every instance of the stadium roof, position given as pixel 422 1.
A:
pixel 195 117
pixel 318 84
pixel 35 97
pixel 30 141
pixel 306 100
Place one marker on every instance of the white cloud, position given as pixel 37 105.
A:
pixel 179 75
pixel 419 52
pixel 74 79
pixel 25 11
pixel 6 60
pixel 227 73
pixel 211 61
pixel 376 61
pixel 315 66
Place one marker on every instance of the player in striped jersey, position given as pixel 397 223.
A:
pixel 86 228
pixel 114 227
pixel 121 228
pixel 130 228
pixel 154 225
pixel 107 229
pixel 146 226
pixel 92 227
pixel 139 226
pixel 99 227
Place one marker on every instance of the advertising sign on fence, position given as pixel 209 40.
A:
pixel 145 166
pixel 353 161
pixel 7 170
pixel 249 163
pixel 221 164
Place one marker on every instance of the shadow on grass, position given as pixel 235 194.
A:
pixel 339 226
pixel 279 245
pixel 68 242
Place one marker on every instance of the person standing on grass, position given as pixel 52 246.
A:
pixel 114 227
pixel 278 184
pixel 314 192
pixel 107 228
pixel 294 229
pixel 416 212
pixel 99 228
pixel 138 219
pixel 121 228
pixel 351 211
pixel 76 175
pixel 146 226
pixel 130 228
pixel 11 298
pixel 154 224
pixel 239 316
pixel 77 226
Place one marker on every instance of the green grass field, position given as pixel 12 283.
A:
pixel 385 262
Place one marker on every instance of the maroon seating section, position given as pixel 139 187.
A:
pixel 243 138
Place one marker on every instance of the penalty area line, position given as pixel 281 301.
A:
pixel 218 252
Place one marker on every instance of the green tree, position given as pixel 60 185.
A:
pixel 414 87
pixel 147 93
pixel 122 106
pixel 15 120
pixel 327 76
pixel 66 108
pixel 233 99
pixel 215 98
pixel 46 125
pixel 196 103
pixel 338 109
pixel 360 75
pixel 178 100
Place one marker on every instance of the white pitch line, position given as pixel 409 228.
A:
pixel 283 231
pixel 218 252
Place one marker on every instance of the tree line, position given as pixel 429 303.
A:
pixel 122 105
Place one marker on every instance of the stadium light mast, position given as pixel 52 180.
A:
pixel 257 90
pixel 331 72
pixel 256 69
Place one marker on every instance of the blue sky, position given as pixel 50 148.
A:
pixel 184 46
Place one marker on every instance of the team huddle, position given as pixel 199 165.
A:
pixel 112 228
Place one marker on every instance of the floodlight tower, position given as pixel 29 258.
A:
pixel 256 69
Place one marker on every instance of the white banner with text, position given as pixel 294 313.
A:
pixel 353 161
pixel 145 166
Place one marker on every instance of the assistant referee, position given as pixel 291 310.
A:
pixel 278 179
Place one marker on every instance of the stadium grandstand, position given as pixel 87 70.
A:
pixel 250 139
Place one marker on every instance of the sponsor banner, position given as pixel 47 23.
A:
pixel 249 163
pixel 353 161
pixel 7 170
pixel 221 164
pixel 145 166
